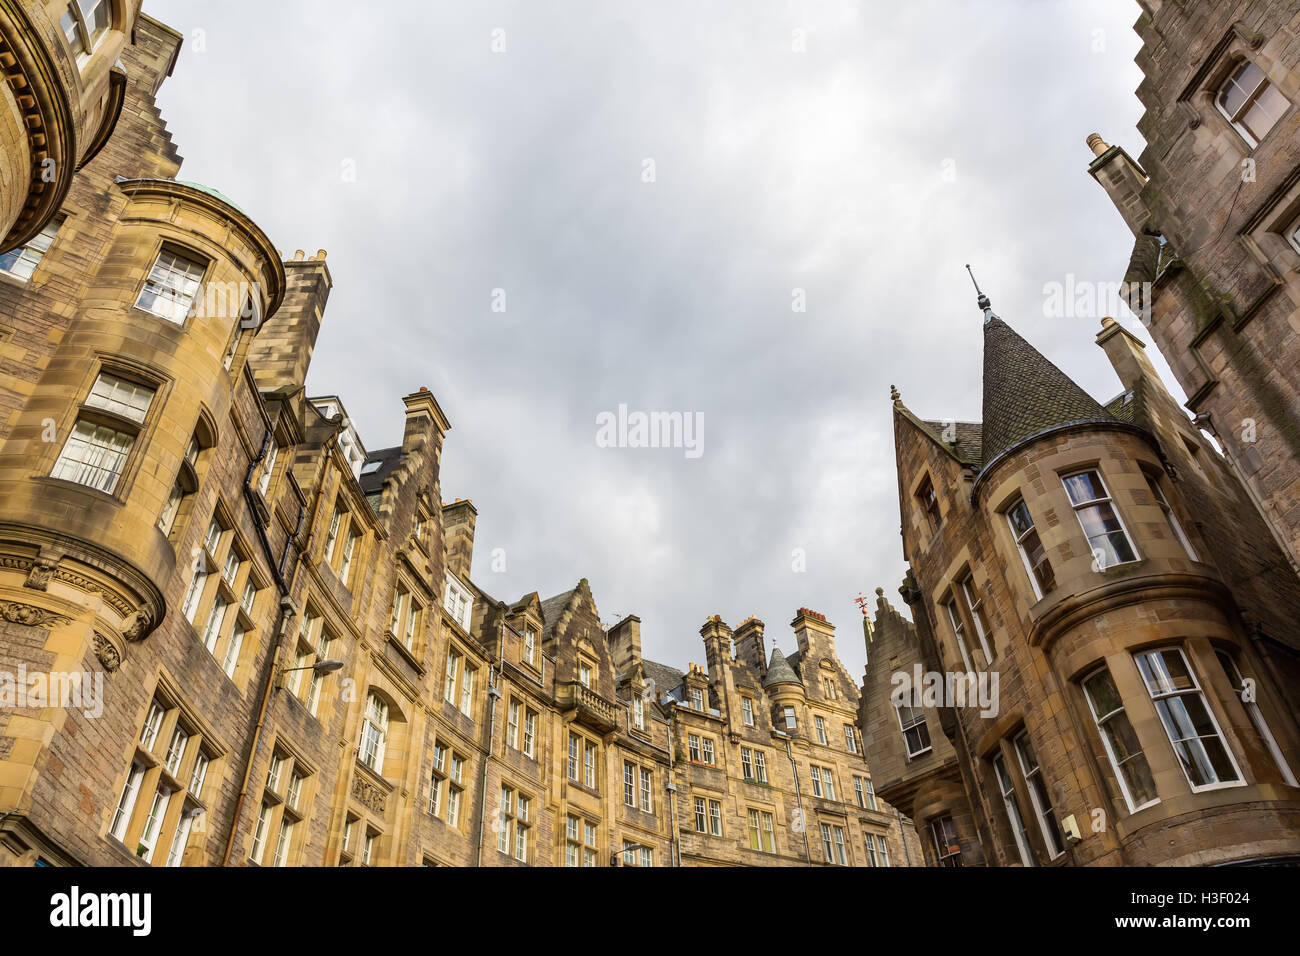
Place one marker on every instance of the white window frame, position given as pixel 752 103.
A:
pixel 75 24
pixel 458 602
pixel 173 283
pixel 24 261
pixel 959 632
pixel 1108 501
pixel 374 733
pixel 917 721
pixel 1100 721
pixel 94 455
pixel 1019 539
pixel 1039 795
pixel 1256 715
pixel 975 605
pixel 530 732
pixel 1195 689
pixel 1293 235
pixel 1170 518
pixel 1007 788
pixel 126 803
pixel 1250 98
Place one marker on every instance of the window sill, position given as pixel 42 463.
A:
pixel 407 654
pixel 161 318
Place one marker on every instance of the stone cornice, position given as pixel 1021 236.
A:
pixel 1132 589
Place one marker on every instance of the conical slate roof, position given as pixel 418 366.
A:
pixel 1025 394
pixel 779 671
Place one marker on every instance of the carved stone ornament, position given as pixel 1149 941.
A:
pixel 137 624
pixel 38 577
pixel 30 616
pixel 107 653
pixel 369 795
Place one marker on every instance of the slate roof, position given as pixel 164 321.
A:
pixel 779 671
pixel 667 679
pixel 969 445
pixel 1131 406
pixel 1025 394
pixel 374 481
pixel 552 608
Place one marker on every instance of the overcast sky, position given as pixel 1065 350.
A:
pixel 903 141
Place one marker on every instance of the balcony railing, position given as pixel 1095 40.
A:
pixel 589 707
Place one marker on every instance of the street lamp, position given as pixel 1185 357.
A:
pixel 628 847
pixel 319 669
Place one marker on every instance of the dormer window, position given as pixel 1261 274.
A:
pixel 1251 103
pixel 697 698
pixel 929 502
pixel 530 645
pixel 458 602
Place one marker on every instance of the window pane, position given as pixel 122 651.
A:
pixel 1083 487
pixel 1020 519
pixel 94 456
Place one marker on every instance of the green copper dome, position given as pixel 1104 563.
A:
pixel 213 192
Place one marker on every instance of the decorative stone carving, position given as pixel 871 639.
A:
pixel 31 616
pixel 107 653
pixel 369 795
pixel 38 576
pixel 137 624
pixel 83 583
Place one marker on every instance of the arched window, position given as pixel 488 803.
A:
pixel 374 733
pixel 1250 102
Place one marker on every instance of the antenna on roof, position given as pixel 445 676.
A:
pixel 982 301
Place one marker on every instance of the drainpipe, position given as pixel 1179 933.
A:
pixel 676 854
pixel 902 835
pixel 494 694
pixel 287 613
pixel 798 793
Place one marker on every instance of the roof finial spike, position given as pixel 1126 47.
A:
pixel 982 301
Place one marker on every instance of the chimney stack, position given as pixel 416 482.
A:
pixel 281 349
pixel 458 520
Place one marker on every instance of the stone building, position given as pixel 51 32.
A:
pixel 1099 569
pixel 278 653
pixel 1213 202
pixel 62 93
